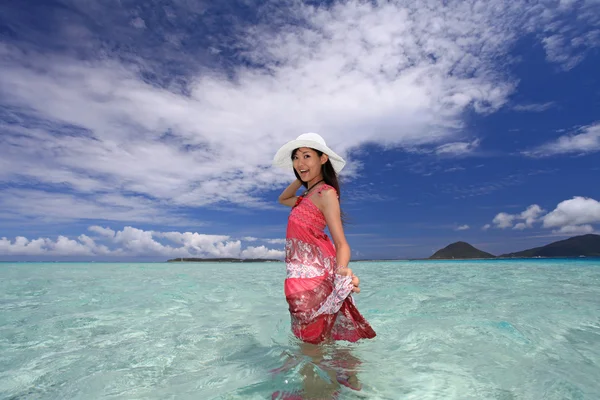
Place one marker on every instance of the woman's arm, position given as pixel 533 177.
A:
pixel 331 210
pixel 330 206
pixel 288 196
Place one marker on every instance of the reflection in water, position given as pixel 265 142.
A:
pixel 322 369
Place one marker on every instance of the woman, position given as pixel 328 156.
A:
pixel 319 283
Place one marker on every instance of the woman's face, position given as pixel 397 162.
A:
pixel 307 164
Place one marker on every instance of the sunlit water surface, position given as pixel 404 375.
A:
pixel 522 329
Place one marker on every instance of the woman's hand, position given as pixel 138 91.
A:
pixel 355 282
pixel 345 271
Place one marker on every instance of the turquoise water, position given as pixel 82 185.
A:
pixel 523 329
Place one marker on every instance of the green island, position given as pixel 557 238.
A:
pixel 578 246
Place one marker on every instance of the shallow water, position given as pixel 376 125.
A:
pixel 522 329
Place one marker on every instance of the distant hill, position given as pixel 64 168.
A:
pixel 243 260
pixel 584 245
pixel 460 250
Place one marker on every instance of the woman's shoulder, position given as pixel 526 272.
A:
pixel 326 188
pixel 325 195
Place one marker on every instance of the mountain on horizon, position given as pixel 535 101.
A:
pixel 460 250
pixel 583 245
pixel 577 246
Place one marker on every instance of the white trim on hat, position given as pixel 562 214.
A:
pixel 283 157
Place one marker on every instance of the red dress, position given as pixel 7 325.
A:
pixel 320 301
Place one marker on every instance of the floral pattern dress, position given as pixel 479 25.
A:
pixel 320 301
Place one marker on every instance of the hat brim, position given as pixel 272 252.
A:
pixel 283 157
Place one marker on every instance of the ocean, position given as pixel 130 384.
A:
pixel 498 329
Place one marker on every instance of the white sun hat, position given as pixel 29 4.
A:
pixel 283 157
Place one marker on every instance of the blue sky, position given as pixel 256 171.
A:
pixel 145 130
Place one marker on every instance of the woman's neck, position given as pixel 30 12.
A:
pixel 314 181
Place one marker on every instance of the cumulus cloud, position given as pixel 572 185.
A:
pixel 573 216
pixel 524 220
pixel 462 228
pixel 576 214
pixel 106 232
pixel 149 117
pixel 583 140
pixel 503 220
pixel 131 242
pixel 262 252
pixel 204 245
pixel 531 214
pixel 62 246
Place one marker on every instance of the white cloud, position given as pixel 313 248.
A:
pixel 21 245
pixel 62 246
pixel 585 140
pixel 573 216
pixel 565 43
pixel 275 241
pixel 503 220
pixel 527 218
pixel 534 107
pixel 462 228
pixel 557 50
pixel 394 73
pixel 51 206
pixel 270 241
pixel 486 227
pixel 262 252
pixel 204 245
pixel 573 212
pixel 90 244
pixel 531 215
pixel 106 232
pixel 139 242
pixel 457 148
pixel 132 242
pixel 575 230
